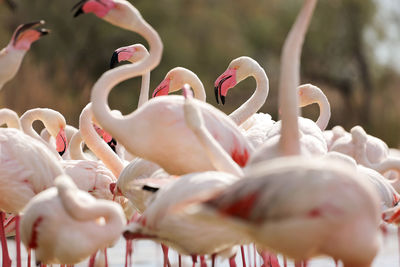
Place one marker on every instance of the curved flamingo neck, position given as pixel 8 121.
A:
pixel 111 78
pixel 27 120
pixel 75 148
pixel 144 89
pixel 315 95
pixel 257 100
pixel 90 210
pixel 96 144
pixel 10 118
pixel 193 80
pixel 289 80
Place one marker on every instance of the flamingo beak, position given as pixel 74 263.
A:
pixel 28 26
pixel 217 90
pixel 114 60
pixel 61 142
pixel 78 7
pixel 223 83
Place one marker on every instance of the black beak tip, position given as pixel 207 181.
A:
pixel 114 60
pixel 216 94
pixel 222 99
pixel 44 32
pixel 78 12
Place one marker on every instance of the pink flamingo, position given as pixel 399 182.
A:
pixel 64 225
pixel 167 128
pixel 54 122
pixel 10 118
pixel 11 56
pixel 298 224
pixel 28 167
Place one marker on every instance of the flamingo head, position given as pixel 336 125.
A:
pixel 98 7
pixel 120 13
pixel 238 70
pixel 132 53
pixel 26 34
pixel 55 124
pixel 307 94
pixel 173 81
pixel 392 215
pixel 106 137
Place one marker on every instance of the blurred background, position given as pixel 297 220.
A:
pixel 351 52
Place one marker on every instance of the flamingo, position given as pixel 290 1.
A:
pixel 134 53
pixel 65 225
pixel 376 149
pixel 11 56
pixel 28 167
pixel 54 122
pixel 167 128
pixel 10 118
pixel 185 235
pixel 176 78
pixel 310 94
pixel 300 223
pixel 292 133
pixel 70 131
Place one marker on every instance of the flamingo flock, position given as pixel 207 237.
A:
pixel 184 174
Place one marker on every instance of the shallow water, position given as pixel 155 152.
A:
pixel 149 254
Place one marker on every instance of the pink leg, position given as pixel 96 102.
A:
pixel 255 255
pixel 18 240
pixel 298 264
pixel 165 252
pixel 29 258
pixel 180 260
pixel 203 261
pixel 130 252
pixel 194 260
pixel 105 257
pixel 270 259
pixel 6 256
pixel 284 261
pixel 243 258
pixel 92 259
pixel 336 262
pixel 213 260
pixel 305 263
pixel 232 262
pixel 126 252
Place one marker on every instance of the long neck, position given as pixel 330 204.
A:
pixel 92 211
pixel 315 95
pixel 75 148
pixel 290 79
pixel 109 79
pixel 144 89
pixel 96 144
pixel 27 120
pixel 198 87
pixel 10 118
pixel 256 101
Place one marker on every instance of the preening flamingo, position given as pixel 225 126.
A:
pixel 310 94
pixel 9 118
pixel 55 123
pixel 292 134
pixel 65 225
pixel 376 149
pixel 179 231
pixel 69 132
pixel 160 121
pixel 134 53
pixel 176 78
pixel 11 56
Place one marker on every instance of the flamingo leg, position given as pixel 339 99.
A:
pixel 180 260
pixel 284 261
pixel 194 260
pixel 165 252
pixel 18 240
pixel 92 259
pixel 203 261
pixel 232 262
pixel 255 255
pixel 126 252
pixel 105 257
pixel 213 260
pixel 6 256
pixel 29 258
pixel 243 257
